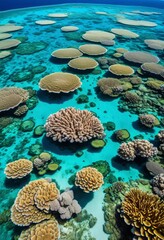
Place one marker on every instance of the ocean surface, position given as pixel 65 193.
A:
pixel 30 60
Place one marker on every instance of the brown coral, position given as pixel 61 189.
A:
pixel 83 63
pixel 89 179
pixel 127 151
pixel 11 97
pixel 18 169
pixel 32 202
pixel 21 110
pixel 140 57
pixel 73 125
pixel 66 53
pixel 121 70
pixel 149 120
pixel 132 97
pixel 46 230
pixel 160 135
pixel 145 212
pixel 60 82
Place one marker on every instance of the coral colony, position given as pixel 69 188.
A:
pixel 82 123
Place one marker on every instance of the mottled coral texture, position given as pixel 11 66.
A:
pixel 46 230
pixel 89 179
pixel 73 125
pixel 18 169
pixel 158 185
pixel 32 203
pixel 143 148
pixel 145 213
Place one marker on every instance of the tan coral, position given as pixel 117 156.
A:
pixel 9 28
pixel 89 179
pixel 155 44
pixel 5 36
pixel 45 22
pixel 66 53
pixel 9 43
pixel 140 57
pixel 93 49
pixel 26 208
pixel 124 33
pixel 18 169
pixel 145 213
pixel 4 54
pixel 46 230
pixel 121 70
pixel 73 125
pixel 69 29
pixel 60 82
pixel 83 63
pixel 136 22
pixel 98 36
pixel 11 97
pixel 21 110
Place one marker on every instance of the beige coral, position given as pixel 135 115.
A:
pixel 46 230
pixel 83 63
pixel 21 110
pixel 145 213
pixel 60 82
pixel 73 125
pixel 89 179
pixel 32 202
pixel 18 169
pixel 121 70
pixel 11 97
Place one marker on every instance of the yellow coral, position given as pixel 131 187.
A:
pixel 89 179
pixel 32 202
pixel 46 230
pixel 145 212
pixel 18 169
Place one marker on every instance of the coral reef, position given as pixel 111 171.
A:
pixel 143 148
pixel 158 185
pixel 32 204
pixel 149 120
pixel 89 179
pixel 65 205
pixel 154 168
pixel 73 125
pixel 145 213
pixel 18 169
pixel 160 136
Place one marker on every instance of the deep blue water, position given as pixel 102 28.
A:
pixel 10 4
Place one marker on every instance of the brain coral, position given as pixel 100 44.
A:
pixel 73 125
pixel 46 230
pixel 60 82
pixel 33 202
pixel 145 212
pixel 89 179
pixel 11 97
pixel 18 169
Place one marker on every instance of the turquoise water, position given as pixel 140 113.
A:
pixel 106 108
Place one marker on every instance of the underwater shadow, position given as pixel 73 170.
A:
pixel 82 197
pixel 141 128
pixel 64 148
pixel 120 164
pixel 58 60
pixel 52 98
pixel 16 183
pixel 101 96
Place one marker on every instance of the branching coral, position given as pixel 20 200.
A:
pixel 18 169
pixel 89 179
pixel 129 151
pixel 32 204
pixel 145 212
pixel 73 125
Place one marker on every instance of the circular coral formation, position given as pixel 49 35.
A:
pixel 46 230
pixel 92 49
pixel 18 169
pixel 155 44
pixel 89 179
pixel 69 29
pixel 153 68
pixel 5 36
pixel 158 185
pixel 136 22
pixel 32 203
pixel 9 28
pixel 124 33
pixel 73 125
pixel 58 15
pixel 9 43
pixel 11 97
pixel 66 53
pixel 45 22
pixel 98 36
pixel 98 143
pixel 122 135
pixel 60 82
pixel 149 120
pixel 4 54
pixel 83 63
pixel 121 70
pixel 145 212
pixel 140 57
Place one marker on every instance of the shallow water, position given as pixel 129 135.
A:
pixel 18 142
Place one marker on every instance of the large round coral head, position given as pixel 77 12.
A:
pixel 93 49
pixel 60 82
pixel 83 63
pixel 89 179
pixel 66 53
pixel 121 70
